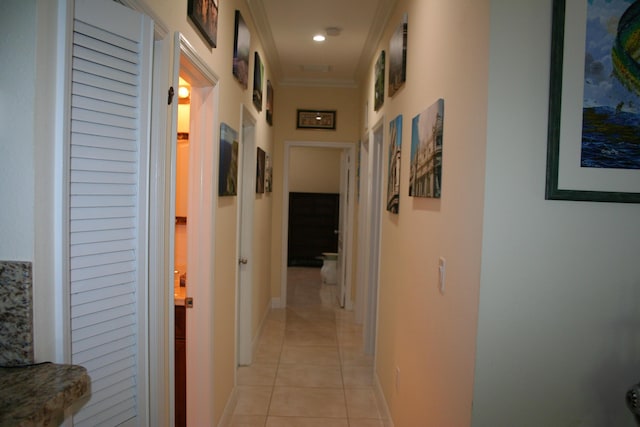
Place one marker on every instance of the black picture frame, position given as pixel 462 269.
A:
pixel 204 15
pixel 554 190
pixel 269 114
pixel 316 119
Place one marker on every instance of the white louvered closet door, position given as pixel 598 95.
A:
pixel 110 88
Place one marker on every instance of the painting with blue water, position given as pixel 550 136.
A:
pixel 611 104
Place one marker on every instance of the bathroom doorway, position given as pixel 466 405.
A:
pixel 194 166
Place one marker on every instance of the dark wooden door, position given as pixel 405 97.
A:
pixel 313 219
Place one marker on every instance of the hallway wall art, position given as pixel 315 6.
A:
pixel 204 15
pixel 258 75
pixel 393 181
pixel 260 164
pixel 242 43
pixel 398 57
pixel 425 174
pixel 378 89
pixel 228 164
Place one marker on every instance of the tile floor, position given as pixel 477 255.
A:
pixel 309 369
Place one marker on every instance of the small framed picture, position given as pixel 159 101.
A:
pixel 316 119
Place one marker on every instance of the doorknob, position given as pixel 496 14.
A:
pixel 243 261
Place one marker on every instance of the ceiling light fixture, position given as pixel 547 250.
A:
pixel 183 92
pixel 318 38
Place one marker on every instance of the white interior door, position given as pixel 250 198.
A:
pixel 202 186
pixel 343 225
pixel 245 240
pixel 108 209
pixel 372 256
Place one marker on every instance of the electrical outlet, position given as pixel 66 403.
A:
pixel 397 379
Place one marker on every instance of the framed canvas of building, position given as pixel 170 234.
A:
pixel 425 174
pixel 393 179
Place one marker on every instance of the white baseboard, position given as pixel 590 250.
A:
pixel 382 402
pixel 256 338
pixel 227 415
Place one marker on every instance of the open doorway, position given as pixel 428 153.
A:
pixel 343 153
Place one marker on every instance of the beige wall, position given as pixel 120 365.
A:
pixel 429 336
pixel 287 100
pixel 558 325
pixel 314 170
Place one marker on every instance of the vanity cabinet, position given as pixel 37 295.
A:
pixel 181 366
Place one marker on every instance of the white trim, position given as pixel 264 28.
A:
pixel 385 413
pixel 227 415
pixel 163 127
pixel 285 212
pixel 161 31
pixel 256 339
pixel 62 123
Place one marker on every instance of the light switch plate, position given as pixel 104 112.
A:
pixel 442 274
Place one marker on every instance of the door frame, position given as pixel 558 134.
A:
pixel 203 161
pixel 244 272
pixel 346 146
pixel 369 253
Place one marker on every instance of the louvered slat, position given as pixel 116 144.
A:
pixel 103 235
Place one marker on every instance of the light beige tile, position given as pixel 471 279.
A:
pixel 354 356
pixel 357 376
pixel 267 353
pixel 253 400
pixel 310 355
pixel 361 403
pixel 306 422
pixel 308 402
pixel 314 337
pixel 309 376
pixel 257 374
pixel 365 423
pixel 248 421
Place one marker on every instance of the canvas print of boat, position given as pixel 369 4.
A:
pixel 426 152
pixel 611 100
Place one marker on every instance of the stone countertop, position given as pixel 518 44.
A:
pixel 37 395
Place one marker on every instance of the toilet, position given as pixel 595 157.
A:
pixel 328 271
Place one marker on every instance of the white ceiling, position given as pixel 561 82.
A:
pixel 286 28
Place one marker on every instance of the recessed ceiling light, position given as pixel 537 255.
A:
pixel 318 38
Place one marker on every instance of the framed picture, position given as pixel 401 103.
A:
pixel 593 144
pixel 425 175
pixel 268 174
pixel 258 74
pixel 269 103
pixel 316 119
pixel 378 90
pixel 393 181
pixel 260 163
pixel 228 163
pixel 398 57
pixel 242 42
pixel 204 15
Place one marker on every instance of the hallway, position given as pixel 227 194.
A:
pixel 309 369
